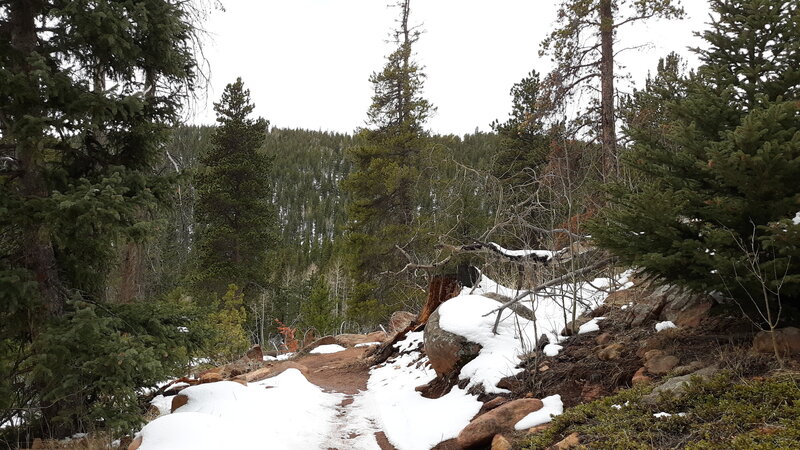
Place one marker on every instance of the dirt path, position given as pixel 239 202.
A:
pixel 344 372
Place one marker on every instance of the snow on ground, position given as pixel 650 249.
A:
pixel 328 348
pixel 667 324
pixel 590 326
pixel 284 412
pixel 409 420
pixel 288 412
pixel 552 407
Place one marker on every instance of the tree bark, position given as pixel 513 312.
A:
pixel 38 253
pixel 607 125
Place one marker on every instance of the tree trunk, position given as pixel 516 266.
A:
pixel 607 126
pixel 38 254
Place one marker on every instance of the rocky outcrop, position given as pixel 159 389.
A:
pixel 447 351
pixel 683 308
pixel 787 340
pixel 351 340
pixel 255 353
pixel 503 418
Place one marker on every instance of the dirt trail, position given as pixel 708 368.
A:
pixel 344 372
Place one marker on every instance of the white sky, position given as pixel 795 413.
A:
pixel 307 62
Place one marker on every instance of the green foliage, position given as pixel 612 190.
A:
pixel 92 362
pixel 88 90
pixel 226 326
pixel 720 169
pixel 718 413
pixel 234 214
pixel 318 311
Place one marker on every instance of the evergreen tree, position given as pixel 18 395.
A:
pixel 383 210
pixel 723 170
pixel 234 214
pixel 87 91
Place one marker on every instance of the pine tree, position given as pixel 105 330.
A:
pixel 724 166
pixel 382 188
pixel 582 47
pixel 234 213
pixel 87 92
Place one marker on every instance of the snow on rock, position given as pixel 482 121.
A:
pixel 162 403
pixel 367 344
pixel 667 324
pixel 553 406
pixel 409 420
pixel 796 219
pixel 590 326
pixel 551 349
pixel 328 348
pixel 287 411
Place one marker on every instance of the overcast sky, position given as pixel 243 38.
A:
pixel 307 62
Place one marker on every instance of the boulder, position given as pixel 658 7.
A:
pixel 210 377
pixel 603 339
pixel 178 401
pixel 650 354
pixel 611 352
pixel 325 340
pixel 446 351
pixel 661 364
pixel 685 309
pixel 503 418
pixel 492 404
pixel 640 378
pixel 400 320
pixel 646 308
pixel 677 385
pixel 571 441
pixel 499 442
pixel 377 336
pixel 255 353
pixel 788 340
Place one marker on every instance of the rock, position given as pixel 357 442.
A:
pixel 503 418
pixel 677 385
pixel 240 380
pixel 623 297
pixel 539 428
pixel 325 340
pixel 518 308
pixel 135 443
pixel 271 371
pixel 689 368
pixel 446 351
pixel 351 340
pixel 178 401
pixel 659 365
pixel 610 352
pixel 591 392
pixel 210 377
pixel 571 441
pixel 492 404
pixel 499 442
pixel 255 353
pixel 567 331
pixel 685 309
pixel 377 336
pixel 603 339
pixel 788 340
pixel 650 354
pixel 640 378
pixel 400 320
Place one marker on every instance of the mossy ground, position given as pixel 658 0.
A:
pixel 725 411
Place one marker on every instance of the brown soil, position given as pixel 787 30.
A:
pixel 345 372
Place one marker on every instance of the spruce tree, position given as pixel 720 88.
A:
pixel 234 213
pixel 383 207
pixel 88 90
pixel 721 175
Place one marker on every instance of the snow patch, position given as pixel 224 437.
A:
pixel 553 406
pixel 551 349
pixel 665 325
pixel 590 326
pixel 328 348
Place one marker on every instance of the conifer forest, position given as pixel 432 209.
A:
pixel 137 244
